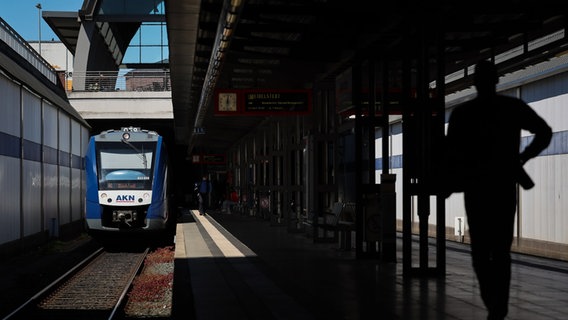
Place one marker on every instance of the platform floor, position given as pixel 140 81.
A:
pixel 242 267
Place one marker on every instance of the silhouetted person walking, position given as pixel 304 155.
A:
pixel 203 189
pixel 483 142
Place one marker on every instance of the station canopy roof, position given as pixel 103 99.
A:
pixel 291 44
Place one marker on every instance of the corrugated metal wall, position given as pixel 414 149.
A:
pixel 50 165
pixel 64 169
pixel 76 171
pixel 31 166
pixel 41 157
pixel 542 210
pixel 10 204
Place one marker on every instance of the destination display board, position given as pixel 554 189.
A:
pixel 208 158
pixel 263 102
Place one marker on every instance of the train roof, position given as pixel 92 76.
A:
pixel 127 133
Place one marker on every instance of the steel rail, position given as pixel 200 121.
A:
pixel 55 283
pixel 129 284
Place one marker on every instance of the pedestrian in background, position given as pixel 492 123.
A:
pixel 204 190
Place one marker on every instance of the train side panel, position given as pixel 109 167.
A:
pixel 158 211
pixel 93 208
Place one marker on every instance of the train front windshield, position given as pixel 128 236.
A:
pixel 125 166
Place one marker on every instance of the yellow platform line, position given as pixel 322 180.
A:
pixel 226 247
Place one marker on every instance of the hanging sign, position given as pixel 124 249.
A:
pixel 263 102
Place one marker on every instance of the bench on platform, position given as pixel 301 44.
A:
pixel 325 223
pixel 346 225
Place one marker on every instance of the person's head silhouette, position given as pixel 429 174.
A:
pixel 485 78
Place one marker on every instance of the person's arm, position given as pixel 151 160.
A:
pixel 542 136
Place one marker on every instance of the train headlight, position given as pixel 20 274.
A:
pixel 125 136
pixel 146 196
pixel 105 196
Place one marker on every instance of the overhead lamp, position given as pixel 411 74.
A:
pixel 231 19
pixel 227 32
pixel 236 3
pixel 223 45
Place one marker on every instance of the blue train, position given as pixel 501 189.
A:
pixel 128 189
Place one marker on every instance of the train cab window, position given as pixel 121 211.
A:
pixel 124 166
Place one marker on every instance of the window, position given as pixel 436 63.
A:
pixel 125 167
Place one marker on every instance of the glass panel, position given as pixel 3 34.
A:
pixel 149 44
pixel 124 167
pixel 132 7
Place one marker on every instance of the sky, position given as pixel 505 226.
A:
pixel 22 16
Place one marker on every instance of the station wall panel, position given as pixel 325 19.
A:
pixel 84 144
pixel 50 199
pixel 50 131
pixel 9 199
pixel 76 168
pixel 76 194
pixel 554 111
pixel 543 208
pixel 398 190
pixel 10 119
pixel 64 133
pixel 64 195
pixel 31 195
pixel 396 144
pixel 84 141
pixel 64 169
pixel 75 138
pixel 553 86
pixel 455 208
pixel 31 116
pixel 548 98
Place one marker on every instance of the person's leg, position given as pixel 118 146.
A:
pixel 201 204
pixel 230 206
pixel 491 221
pixel 480 255
pixel 504 222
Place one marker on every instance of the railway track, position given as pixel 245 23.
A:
pixel 94 289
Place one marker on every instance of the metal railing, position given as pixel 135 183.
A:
pixel 23 48
pixel 122 80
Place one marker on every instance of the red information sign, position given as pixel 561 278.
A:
pixel 262 102
pixel 208 158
